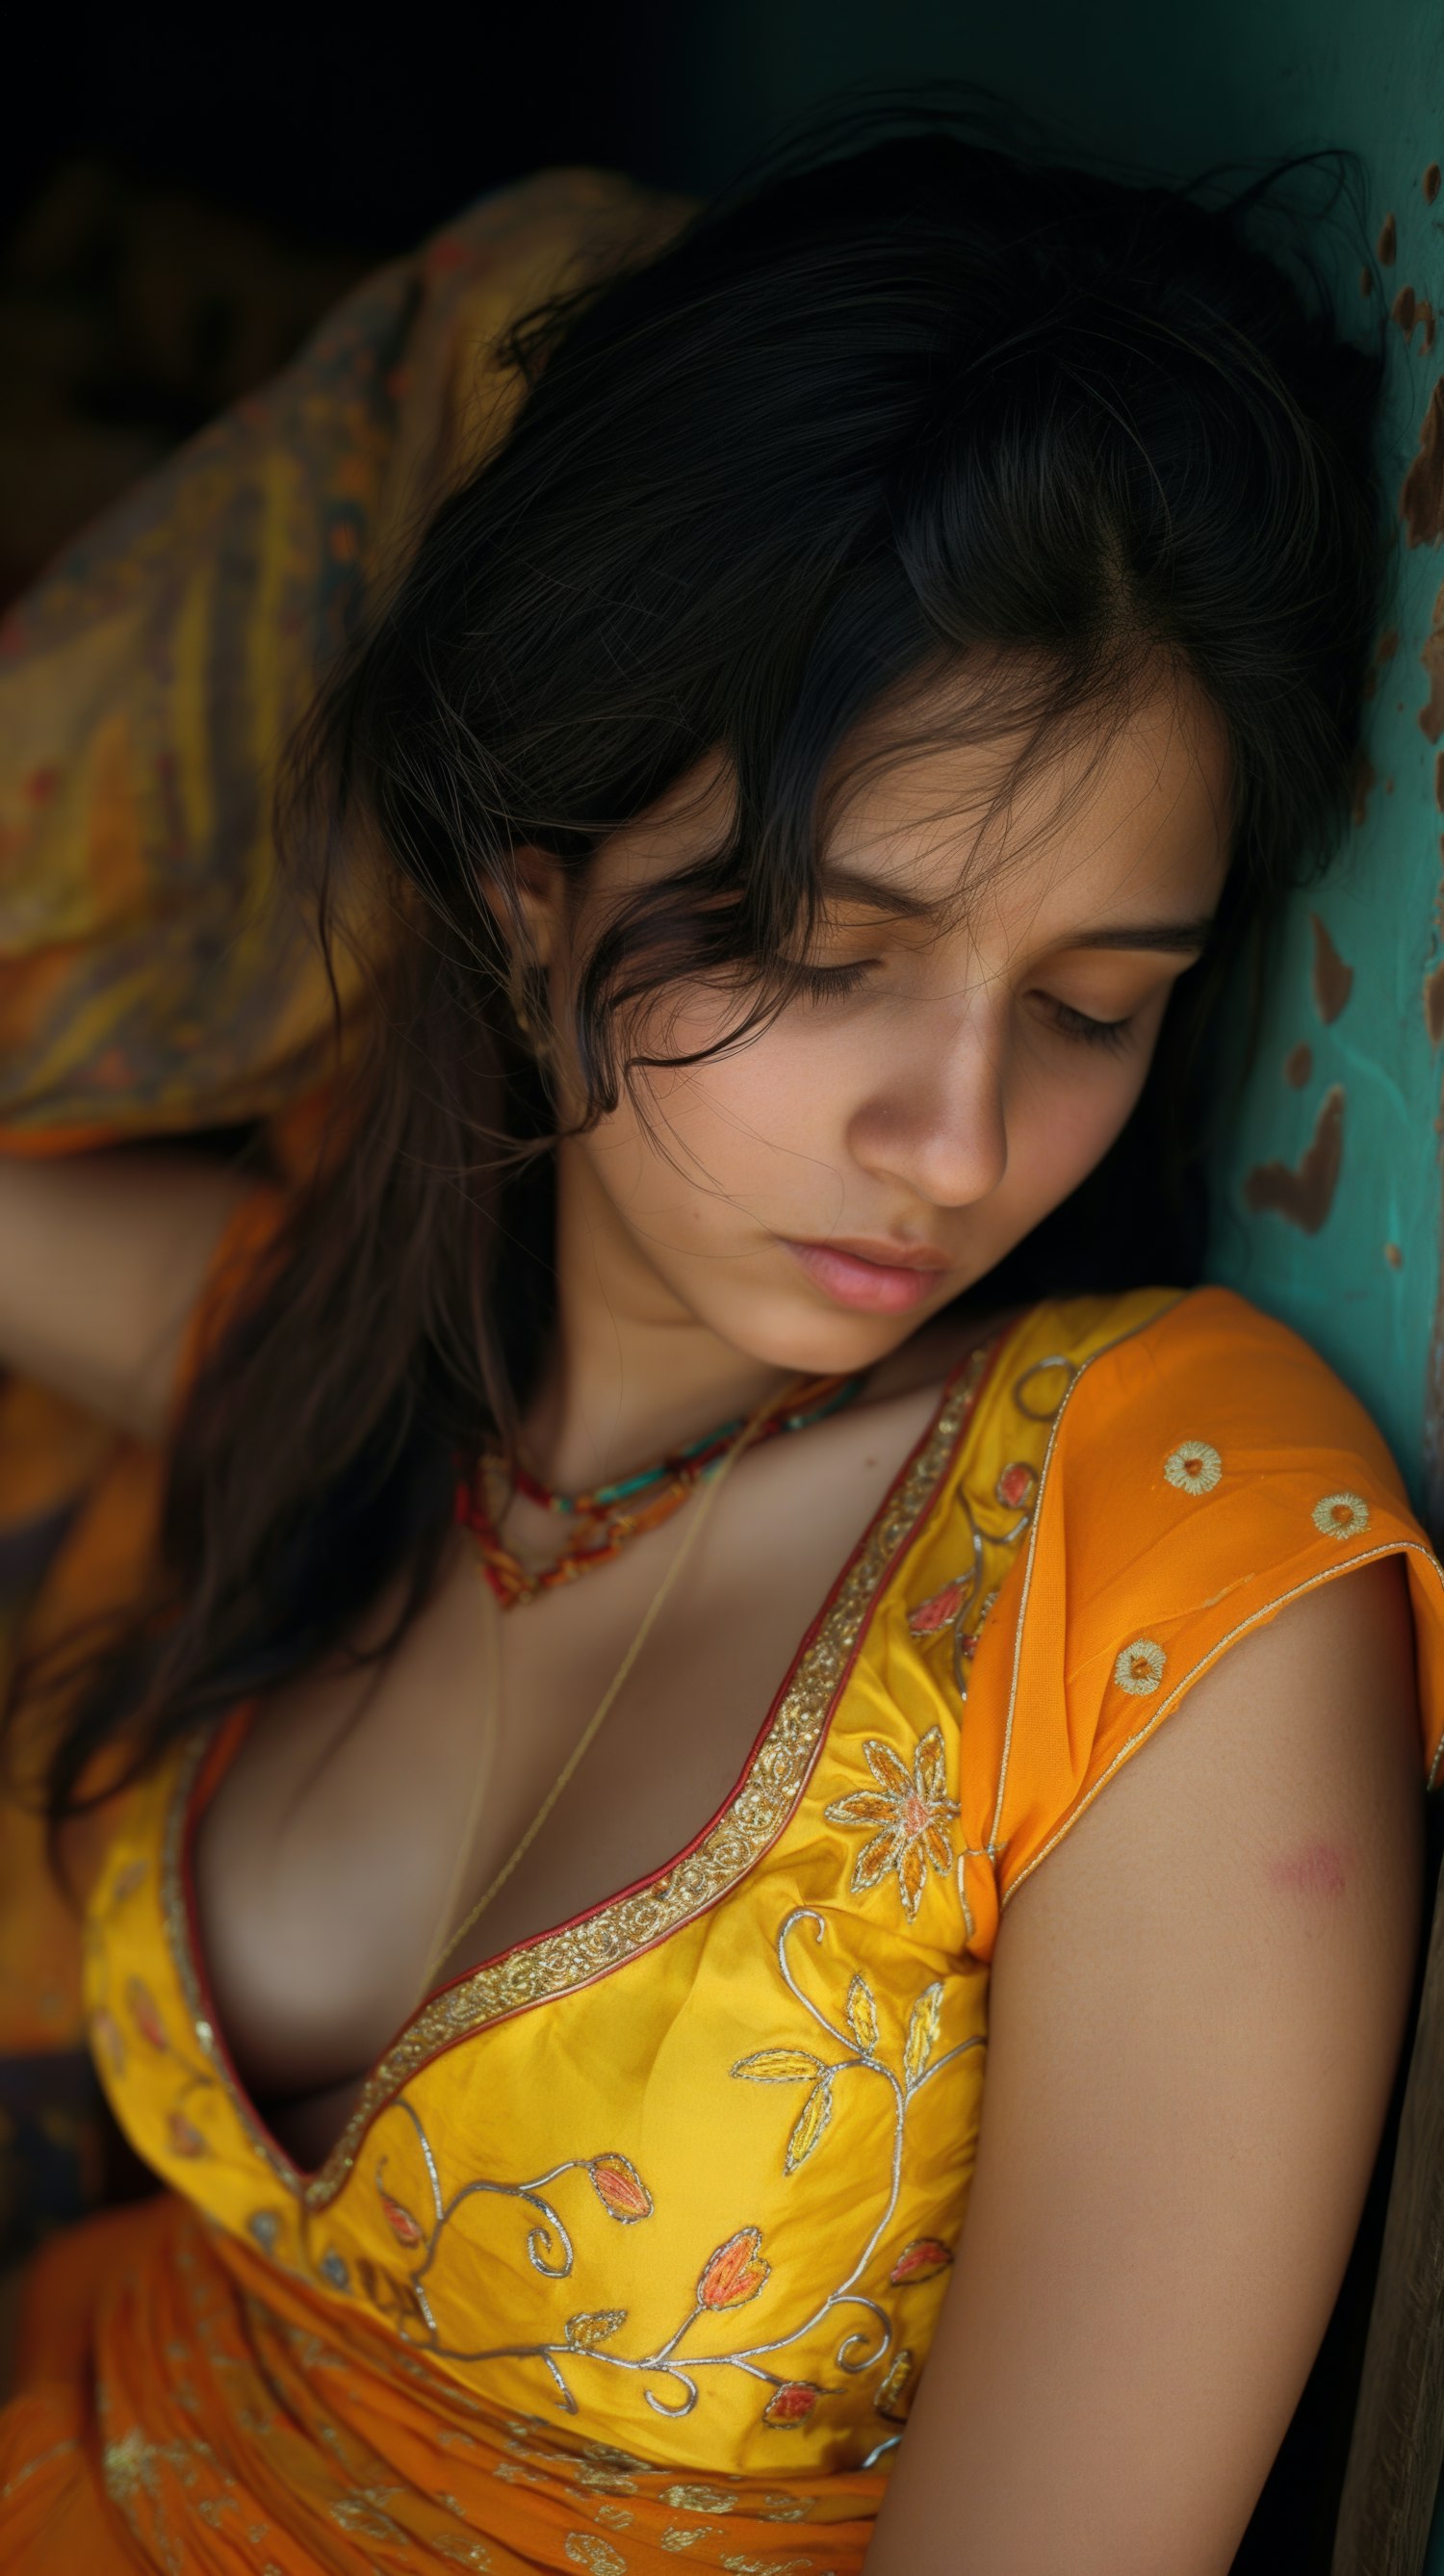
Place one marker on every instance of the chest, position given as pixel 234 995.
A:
pixel 327 1859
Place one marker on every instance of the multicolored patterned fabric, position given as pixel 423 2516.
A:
pixel 636 2238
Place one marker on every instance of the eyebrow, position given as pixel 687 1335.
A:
pixel 1180 938
pixel 1177 938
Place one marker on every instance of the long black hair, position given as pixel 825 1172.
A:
pixel 898 405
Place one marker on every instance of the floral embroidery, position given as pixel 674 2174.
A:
pixel 920 2261
pixel 333 2268
pixel 794 2402
pixel 1139 1668
pixel 1193 1468
pixel 585 2550
pixel 735 2273
pixel 185 2139
pixel 911 1811
pixel 620 2189
pixel 265 2226
pixel 145 2014
pixel 893 2388
pixel 1341 1516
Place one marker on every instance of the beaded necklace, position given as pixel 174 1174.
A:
pixel 606 1516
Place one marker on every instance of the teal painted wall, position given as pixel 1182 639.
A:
pixel 1179 91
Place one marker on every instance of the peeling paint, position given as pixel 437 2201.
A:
pixel 1434 1004
pixel 1388 645
pixel 1387 246
pixel 1298 1065
pixel 1430 183
pixel 1426 316
pixel 1394 1256
pixel 1332 980
pixel 1404 308
pixel 1439 780
pixel 1303 1192
pixel 1431 714
pixel 1362 785
pixel 1421 503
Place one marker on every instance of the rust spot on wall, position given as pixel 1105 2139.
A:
pixel 1332 980
pixel 1394 1256
pixel 1366 281
pixel 1439 780
pixel 1431 714
pixel 1388 645
pixel 1361 787
pixel 1404 308
pixel 1421 503
pixel 1430 183
pixel 1298 1065
pixel 1426 316
pixel 1387 245
pixel 1434 1004
pixel 1303 1192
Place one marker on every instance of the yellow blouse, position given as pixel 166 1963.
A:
pixel 636 2239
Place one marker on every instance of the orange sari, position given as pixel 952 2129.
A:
pixel 635 2242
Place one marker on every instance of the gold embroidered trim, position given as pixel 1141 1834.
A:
pixel 559 1962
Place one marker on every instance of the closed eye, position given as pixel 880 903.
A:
pixel 832 983
pixel 1087 1032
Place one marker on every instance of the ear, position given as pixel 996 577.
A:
pixel 541 895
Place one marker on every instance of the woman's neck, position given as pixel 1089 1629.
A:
pixel 630 1372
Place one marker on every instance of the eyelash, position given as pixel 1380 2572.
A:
pixel 835 983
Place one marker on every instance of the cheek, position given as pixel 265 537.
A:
pixel 1062 1122
pixel 726 1129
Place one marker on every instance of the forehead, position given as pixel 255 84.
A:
pixel 939 799
pixel 933 806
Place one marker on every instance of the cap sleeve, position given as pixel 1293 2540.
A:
pixel 1203 1472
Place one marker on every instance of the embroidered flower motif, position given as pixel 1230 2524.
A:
pixel 585 2550
pixel 920 2261
pixel 184 2137
pixel 265 2226
pixel 941 1608
pixel 407 2230
pixel 1139 1668
pixel 911 1810
pixel 333 2268
pixel 792 2403
pixel 620 2189
pixel 105 2031
pixel 1015 1485
pixel 892 2390
pixel 1341 1515
pixel 1193 1468
pixel 597 2326
pixel 696 2498
pixel 145 2012
pixel 735 2273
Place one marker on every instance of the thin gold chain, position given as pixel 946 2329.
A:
pixel 712 1486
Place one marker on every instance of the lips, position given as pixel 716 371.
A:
pixel 871 1286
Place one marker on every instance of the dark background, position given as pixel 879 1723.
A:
pixel 183 195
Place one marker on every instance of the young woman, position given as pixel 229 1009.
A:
pixel 740 2061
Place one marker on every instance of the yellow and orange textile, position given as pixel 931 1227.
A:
pixel 157 976
pixel 635 2241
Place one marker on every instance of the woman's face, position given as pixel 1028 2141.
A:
pixel 948 1083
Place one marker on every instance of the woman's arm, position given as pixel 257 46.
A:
pixel 104 1256
pixel 1197 2007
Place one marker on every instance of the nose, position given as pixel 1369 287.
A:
pixel 935 1118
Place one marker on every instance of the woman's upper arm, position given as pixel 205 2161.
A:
pixel 106 1257
pixel 1198 2001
